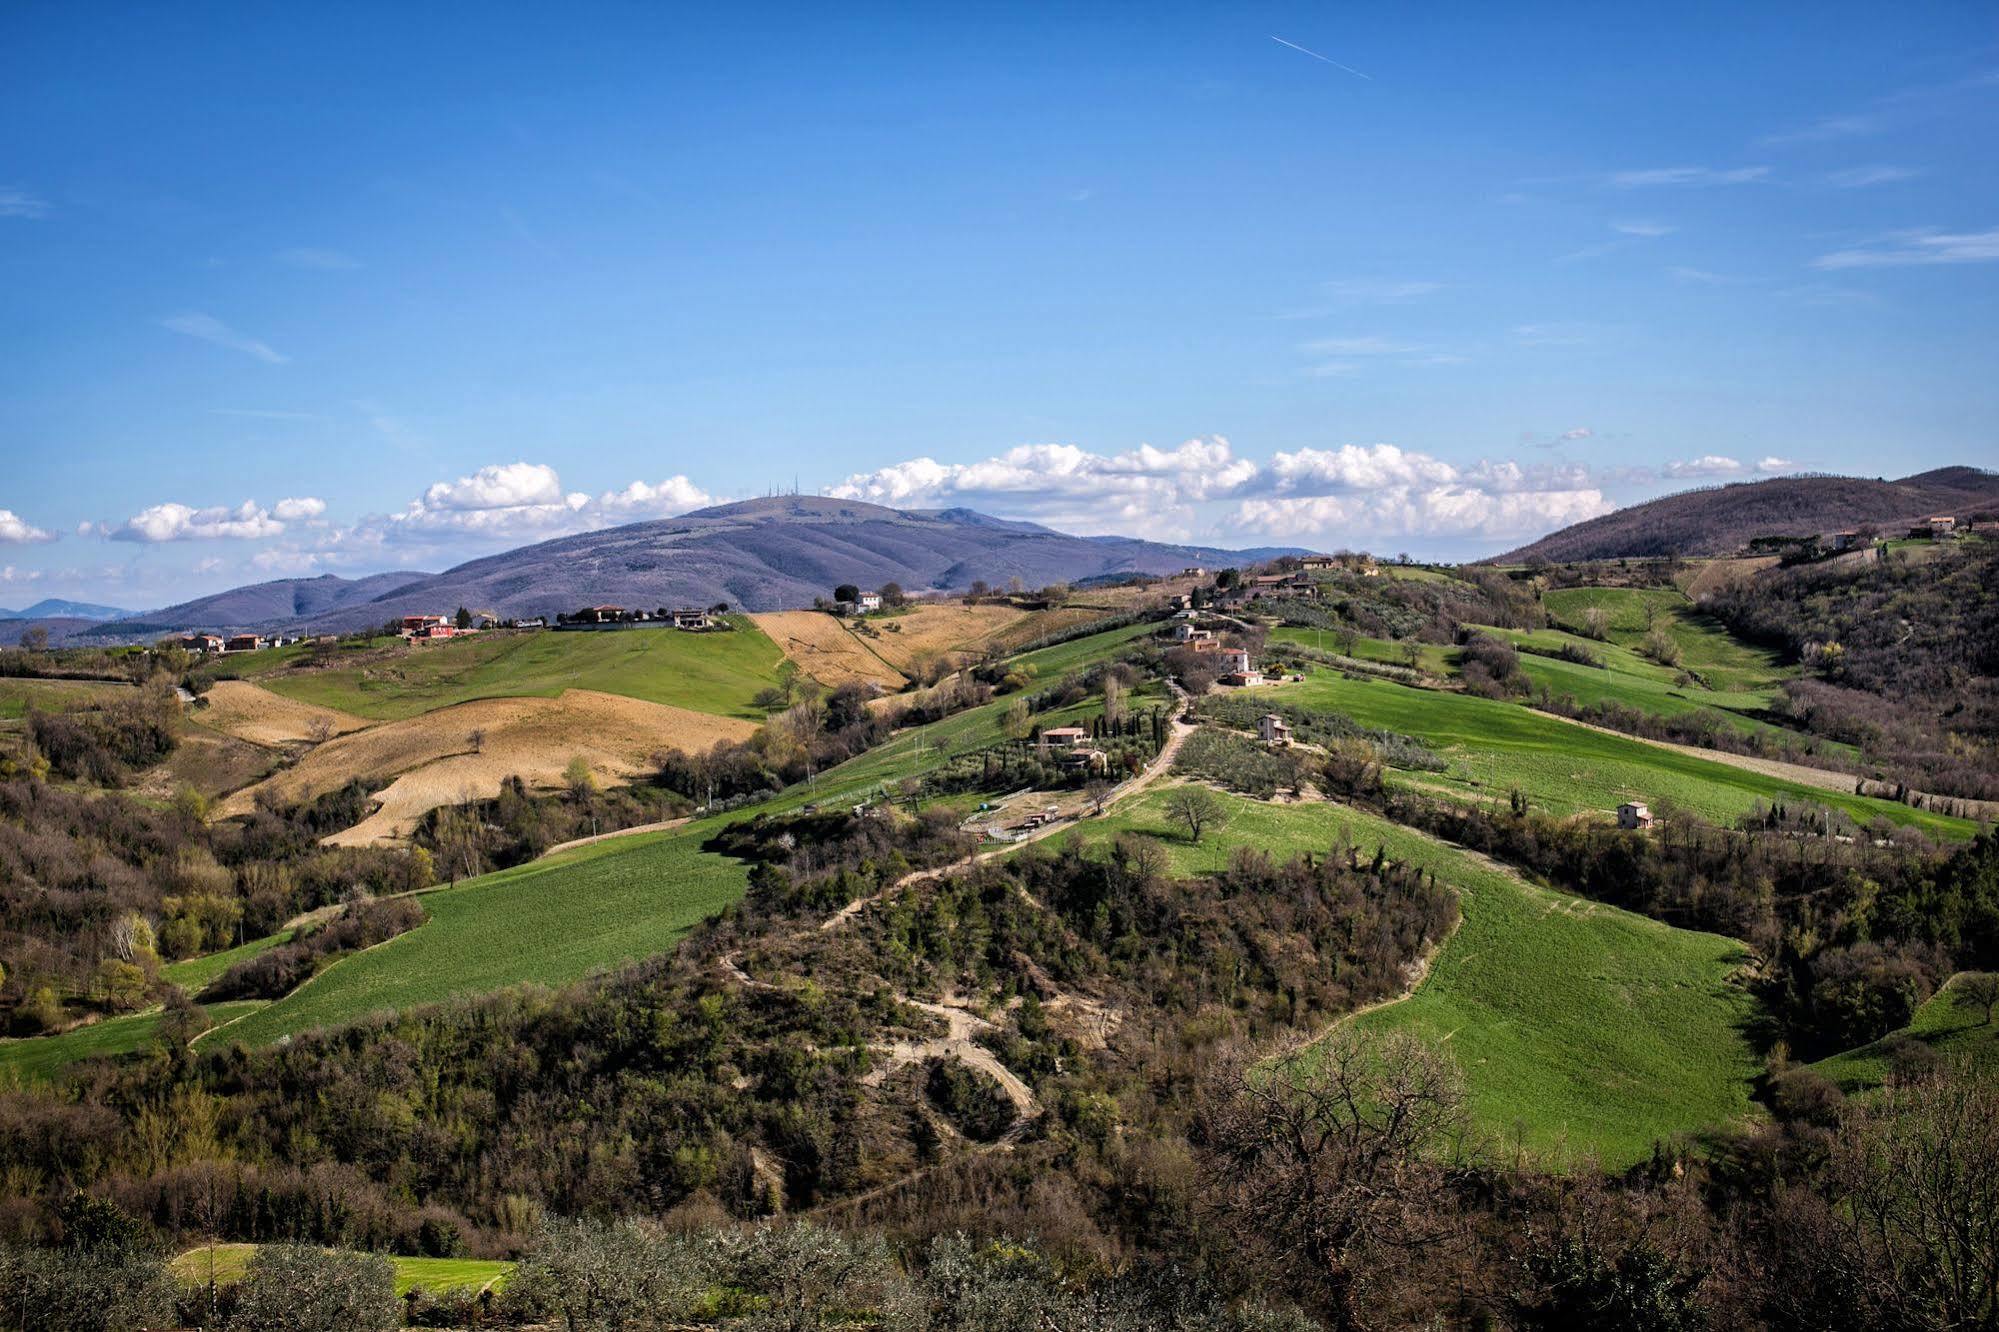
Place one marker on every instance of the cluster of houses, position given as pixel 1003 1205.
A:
pixel 686 617
pixel 866 602
pixel 215 645
pixel 1937 527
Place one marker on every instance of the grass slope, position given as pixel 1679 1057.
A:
pixel 230 1263
pixel 1946 1024
pixel 717 673
pixel 1706 646
pixel 548 922
pixel 1494 746
pixel 1582 1030
pixel 39 1058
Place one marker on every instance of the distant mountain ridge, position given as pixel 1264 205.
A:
pixel 54 608
pixel 1721 520
pixel 763 554
pixel 257 606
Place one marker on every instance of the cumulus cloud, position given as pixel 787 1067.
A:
pixel 1435 511
pixel 675 495
pixel 248 521
pixel 1064 485
pixel 1695 176
pixel 208 328
pixel 1773 464
pixel 10 574
pixel 1580 432
pixel 499 500
pixel 298 509
pixel 1357 492
pixel 1712 464
pixel 1925 246
pixel 18 531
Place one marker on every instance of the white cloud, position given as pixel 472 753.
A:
pixel 1580 432
pixel 1642 229
pixel 18 531
pixel 210 329
pixel 1712 464
pixel 178 522
pixel 1698 276
pixel 523 499
pixel 1356 467
pixel 1773 464
pixel 1357 492
pixel 298 510
pixel 1688 176
pixel 10 574
pixel 675 495
pixel 210 564
pixel 1066 486
pixel 20 203
pixel 1433 511
pixel 327 261
pixel 498 486
pixel 1924 246
pixel 1858 178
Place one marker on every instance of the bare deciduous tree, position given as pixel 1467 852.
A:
pixel 1331 1163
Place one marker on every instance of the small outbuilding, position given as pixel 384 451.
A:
pixel 1632 814
pixel 1273 730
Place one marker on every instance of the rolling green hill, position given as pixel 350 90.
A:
pixel 556 920
pixel 1948 1024
pixel 1494 747
pixel 718 673
pixel 1582 1030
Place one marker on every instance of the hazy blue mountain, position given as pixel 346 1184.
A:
pixel 54 608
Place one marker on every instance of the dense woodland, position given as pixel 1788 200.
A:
pixel 1902 657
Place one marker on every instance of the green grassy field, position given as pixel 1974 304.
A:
pixel 39 1058
pixel 194 973
pixel 717 673
pixel 1947 1024
pixel 1434 658
pixel 1582 1030
pixel 550 922
pixel 1495 746
pixel 18 695
pixel 1706 647
pixel 230 1263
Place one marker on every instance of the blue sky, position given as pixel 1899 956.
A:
pixel 369 288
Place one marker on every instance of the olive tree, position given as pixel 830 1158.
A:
pixel 303 1288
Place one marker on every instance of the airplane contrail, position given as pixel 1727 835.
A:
pixel 1316 56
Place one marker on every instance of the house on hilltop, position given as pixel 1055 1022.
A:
pixel 1064 737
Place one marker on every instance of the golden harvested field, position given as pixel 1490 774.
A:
pixel 944 628
pixel 825 649
pixel 251 712
pixel 431 760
